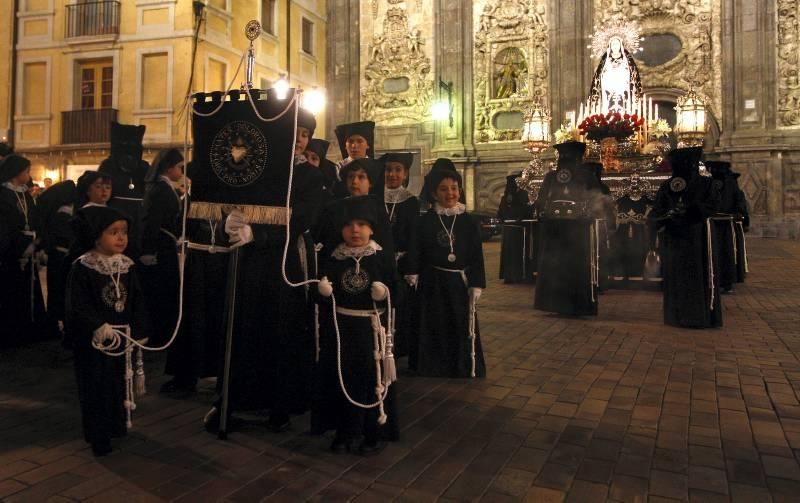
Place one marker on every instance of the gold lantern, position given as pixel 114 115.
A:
pixel 535 138
pixel 691 123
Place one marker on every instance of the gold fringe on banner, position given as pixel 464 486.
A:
pixel 254 214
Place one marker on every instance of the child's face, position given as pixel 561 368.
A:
pixel 395 174
pixel 356 233
pixel 312 158
pixel 358 182
pixel 23 178
pixel 99 192
pixel 447 193
pixel 356 146
pixel 175 173
pixel 301 140
pixel 114 239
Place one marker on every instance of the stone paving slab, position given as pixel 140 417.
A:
pixel 618 408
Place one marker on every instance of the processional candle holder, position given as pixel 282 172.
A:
pixel 691 125
pixel 535 138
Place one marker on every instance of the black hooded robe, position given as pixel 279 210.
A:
pixel 403 217
pixel 691 293
pixel 630 242
pixel 742 225
pixel 513 209
pixel 445 348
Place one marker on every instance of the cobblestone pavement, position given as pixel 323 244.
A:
pixel 617 408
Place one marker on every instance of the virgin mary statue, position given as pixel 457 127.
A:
pixel 616 83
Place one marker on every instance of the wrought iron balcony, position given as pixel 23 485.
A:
pixel 92 125
pixel 92 19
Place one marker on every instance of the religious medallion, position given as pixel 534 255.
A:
pixel 677 184
pixel 112 300
pixel 564 175
pixel 443 240
pixel 355 281
pixel 238 154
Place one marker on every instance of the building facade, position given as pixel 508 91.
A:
pixel 75 65
pixel 389 59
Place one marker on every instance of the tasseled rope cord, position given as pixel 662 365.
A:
pixel 733 235
pixel 473 313
pixel 710 251
pixel 23 206
pixel 390 213
pixel 592 244
pixel 122 332
pixel 744 247
pixel 450 232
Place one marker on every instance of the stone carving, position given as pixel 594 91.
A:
pixel 398 52
pixel 511 62
pixel 788 62
pixel 696 23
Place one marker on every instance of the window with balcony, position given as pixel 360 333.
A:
pixel 97 84
pixel 308 37
pixel 93 19
pixel 89 121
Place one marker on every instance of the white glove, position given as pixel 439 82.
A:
pixel 474 294
pixel 103 334
pixel 235 221
pixel 325 287
pixel 411 279
pixel 241 236
pixel 379 291
pixel 148 259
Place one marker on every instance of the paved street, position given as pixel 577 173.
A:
pixel 617 408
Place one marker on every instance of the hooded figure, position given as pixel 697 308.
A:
pixel 361 136
pixel 683 206
pixel 515 261
pixel 102 292
pixel 21 304
pixel 742 225
pixel 127 171
pixel 631 241
pixel 602 207
pixel 725 223
pixel 568 278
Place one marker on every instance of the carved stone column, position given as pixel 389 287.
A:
pixel 571 23
pixel 343 64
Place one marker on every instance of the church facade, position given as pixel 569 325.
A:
pixel 390 60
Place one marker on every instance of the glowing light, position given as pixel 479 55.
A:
pixel 313 100
pixel 281 87
pixel 440 110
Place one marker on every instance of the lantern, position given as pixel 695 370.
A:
pixel 535 138
pixel 691 124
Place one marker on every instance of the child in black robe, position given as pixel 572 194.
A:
pixel 360 275
pixel 449 261
pixel 102 292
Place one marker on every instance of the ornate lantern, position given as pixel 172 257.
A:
pixel 691 124
pixel 535 138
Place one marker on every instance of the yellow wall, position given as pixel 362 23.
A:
pixel 153 37
pixel 6 51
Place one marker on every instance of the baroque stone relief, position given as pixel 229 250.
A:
pixel 788 62
pixel 696 23
pixel 511 63
pixel 396 81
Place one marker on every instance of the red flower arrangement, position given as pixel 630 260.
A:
pixel 613 124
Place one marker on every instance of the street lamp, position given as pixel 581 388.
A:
pixel 535 138
pixel 442 110
pixel 691 124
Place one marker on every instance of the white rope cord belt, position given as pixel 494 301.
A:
pixel 134 380
pixel 744 246
pixel 359 313
pixel 473 313
pixel 733 237
pixel 135 199
pixel 710 252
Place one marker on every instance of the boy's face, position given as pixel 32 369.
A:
pixel 447 193
pixel 358 183
pixel 114 239
pixel 356 233
pixel 395 174
pixel 175 172
pixel 312 158
pixel 23 178
pixel 301 140
pixel 99 192
pixel 356 146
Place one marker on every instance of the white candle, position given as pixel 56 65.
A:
pixel 656 112
pixel 649 108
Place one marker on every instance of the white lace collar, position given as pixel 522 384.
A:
pixel 343 251
pixel 15 187
pixel 104 264
pixel 89 205
pixel 300 159
pixel 458 209
pixel 397 195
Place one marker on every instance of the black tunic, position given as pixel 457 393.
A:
pixel 742 220
pixel 444 337
pixel 273 350
pixel 327 233
pixel 161 227
pixel 691 299
pixel 403 217
pixel 514 253
pixel 56 240
pixel 352 290
pixel 91 301
pixel 565 282
pixel 630 242
pixel 21 302
pixel 127 189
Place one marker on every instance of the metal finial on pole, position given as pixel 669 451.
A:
pixel 251 31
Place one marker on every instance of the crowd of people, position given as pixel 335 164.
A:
pixel 577 241
pixel 129 263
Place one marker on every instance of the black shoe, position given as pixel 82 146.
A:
pixel 101 448
pixel 176 386
pixel 370 447
pixel 340 445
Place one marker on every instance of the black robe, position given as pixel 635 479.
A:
pixel 742 221
pixel 128 190
pixel 21 301
pixel 56 240
pixel 91 300
pixel 273 348
pixel 161 228
pixel 331 408
pixel 630 243
pixel 514 252
pixel 567 254
pixel 444 348
pixel 403 218
pixel 691 298
pixel 327 233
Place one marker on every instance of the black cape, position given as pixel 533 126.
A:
pixel 630 243
pixel 404 217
